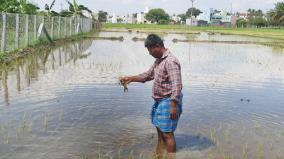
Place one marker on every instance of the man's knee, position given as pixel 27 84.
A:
pixel 168 135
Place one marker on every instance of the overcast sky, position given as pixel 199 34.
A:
pixel 171 6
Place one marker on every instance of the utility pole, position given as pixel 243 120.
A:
pixel 61 6
pixel 231 8
pixel 191 21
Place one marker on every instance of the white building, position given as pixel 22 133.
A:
pixel 191 21
pixel 141 16
pixel 205 16
pixel 114 18
pixel 130 19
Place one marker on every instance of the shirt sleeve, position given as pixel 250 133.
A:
pixel 148 75
pixel 174 71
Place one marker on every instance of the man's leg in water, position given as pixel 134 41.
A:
pixel 160 145
pixel 170 144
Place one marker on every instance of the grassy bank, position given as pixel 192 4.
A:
pixel 277 34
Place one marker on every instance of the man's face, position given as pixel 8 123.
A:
pixel 156 52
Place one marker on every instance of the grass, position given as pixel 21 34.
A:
pixel 277 34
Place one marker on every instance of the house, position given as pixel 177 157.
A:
pixel 141 17
pixel 205 16
pixel 216 18
pixel 243 15
pixel 114 18
pixel 130 19
pixel 191 21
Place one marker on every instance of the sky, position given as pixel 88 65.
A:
pixel 122 7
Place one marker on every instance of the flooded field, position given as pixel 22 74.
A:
pixel 67 103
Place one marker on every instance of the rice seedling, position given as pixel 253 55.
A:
pixel 7 138
pixel 245 151
pixel 210 155
pixel 141 155
pixel 130 156
pixel 278 138
pixel 279 155
pixel 257 125
pixel 45 121
pixel 226 156
pixel 213 136
pixel 260 151
pixel 227 136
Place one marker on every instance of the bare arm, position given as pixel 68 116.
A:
pixel 144 77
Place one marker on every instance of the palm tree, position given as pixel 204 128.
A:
pixel 49 10
pixel 277 14
pixel 77 10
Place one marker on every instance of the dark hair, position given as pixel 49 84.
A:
pixel 153 40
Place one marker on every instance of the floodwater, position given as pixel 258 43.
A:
pixel 67 103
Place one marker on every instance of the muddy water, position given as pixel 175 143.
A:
pixel 67 104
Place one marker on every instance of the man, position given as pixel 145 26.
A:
pixel 166 91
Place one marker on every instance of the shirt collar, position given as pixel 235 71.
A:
pixel 165 54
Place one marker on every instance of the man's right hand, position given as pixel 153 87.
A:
pixel 124 81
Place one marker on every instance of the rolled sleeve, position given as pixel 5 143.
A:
pixel 174 71
pixel 148 75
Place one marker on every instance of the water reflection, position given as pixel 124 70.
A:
pixel 25 71
pixel 5 86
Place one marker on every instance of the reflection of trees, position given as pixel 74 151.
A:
pixel 32 65
pixel 5 86
pixel 18 76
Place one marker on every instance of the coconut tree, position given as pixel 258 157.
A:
pixel 277 14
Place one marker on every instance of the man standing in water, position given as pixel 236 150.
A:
pixel 166 91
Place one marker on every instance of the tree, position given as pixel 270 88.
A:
pixel 49 10
pixel 256 18
pixel 26 8
pixel 102 16
pixel 183 17
pixel 8 6
pixel 119 20
pixel 255 13
pixel 15 6
pixel 76 9
pixel 277 14
pixel 195 12
pixel 241 23
pixel 158 16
